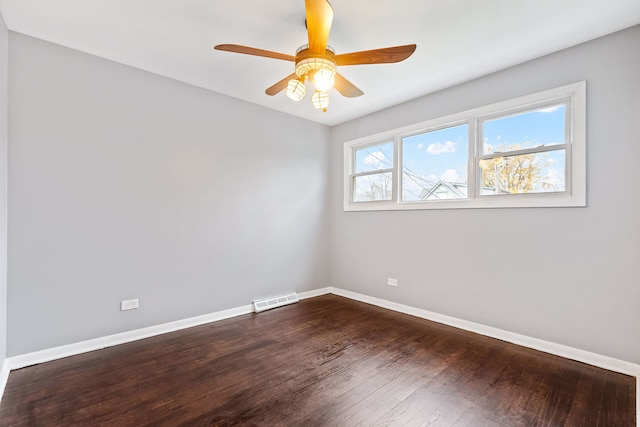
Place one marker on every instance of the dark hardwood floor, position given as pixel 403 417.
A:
pixel 326 361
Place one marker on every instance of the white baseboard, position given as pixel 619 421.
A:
pixel 21 361
pixel 4 376
pixel 24 360
pixel 314 293
pixel 584 356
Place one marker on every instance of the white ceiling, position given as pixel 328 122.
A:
pixel 457 40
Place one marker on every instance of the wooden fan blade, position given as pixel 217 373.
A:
pixel 281 85
pixel 253 51
pixel 319 18
pixel 377 56
pixel 345 87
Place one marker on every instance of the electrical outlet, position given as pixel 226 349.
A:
pixel 392 282
pixel 130 304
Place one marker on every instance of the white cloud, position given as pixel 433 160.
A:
pixel 450 175
pixel 553 177
pixel 420 146
pixel 375 159
pixel 439 147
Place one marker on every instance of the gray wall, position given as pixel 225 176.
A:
pixel 4 44
pixel 566 275
pixel 124 184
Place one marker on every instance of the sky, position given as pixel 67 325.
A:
pixel 433 156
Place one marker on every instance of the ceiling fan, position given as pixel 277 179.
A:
pixel 317 62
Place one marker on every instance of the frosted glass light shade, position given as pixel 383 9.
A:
pixel 320 100
pixel 323 79
pixel 296 89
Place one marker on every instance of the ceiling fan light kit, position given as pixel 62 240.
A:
pixel 317 62
pixel 320 70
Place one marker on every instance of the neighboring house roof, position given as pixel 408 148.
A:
pixel 452 190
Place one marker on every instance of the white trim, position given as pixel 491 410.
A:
pixel 4 377
pixel 605 362
pixel 594 359
pixel 47 355
pixel 314 293
pixel 583 356
pixel 23 360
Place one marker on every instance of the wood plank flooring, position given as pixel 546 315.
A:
pixel 326 361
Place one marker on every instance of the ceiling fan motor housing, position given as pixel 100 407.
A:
pixel 308 64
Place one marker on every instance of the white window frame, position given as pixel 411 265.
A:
pixel 393 170
pixel 574 98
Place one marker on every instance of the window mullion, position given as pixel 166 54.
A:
pixel 397 172
pixel 472 172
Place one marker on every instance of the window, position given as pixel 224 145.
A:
pixel 373 169
pixel 434 165
pixel 525 152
